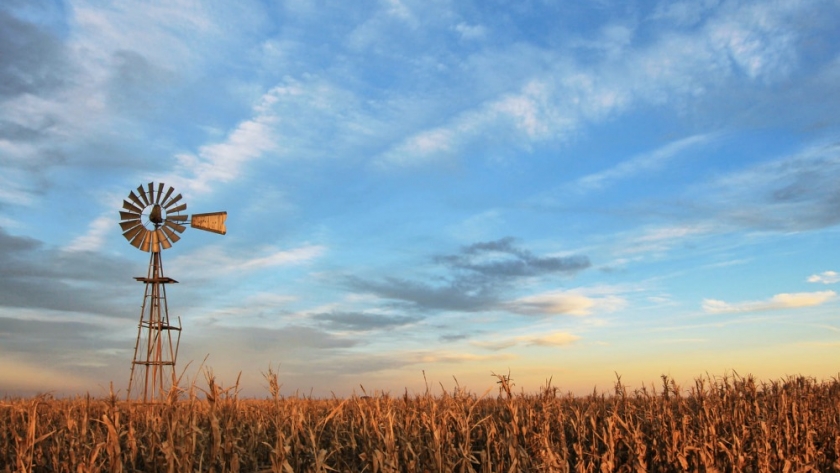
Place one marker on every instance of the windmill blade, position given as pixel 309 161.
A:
pixel 168 193
pixel 155 246
pixel 177 209
pixel 129 206
pixel 147 241
pixel 143 194
pixel 129 225
pixel 129 216
pixel 177 218
pixel 151 192
pixel 135 199
pixel 131 233
pixel 162 239
pixel 174 226
pixel 159 192
pixel 172 202
pixel 169 233
pixel 137 241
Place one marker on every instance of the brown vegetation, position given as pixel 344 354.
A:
pixel 724 424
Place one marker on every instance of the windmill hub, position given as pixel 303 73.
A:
pixel 155 216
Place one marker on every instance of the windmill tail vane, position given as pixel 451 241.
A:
pixel 152 220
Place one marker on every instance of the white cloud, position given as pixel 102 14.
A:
pixel 214 261
pixel 448 357
pixel 826 277
pixel 779 301
pixel 683 12
pixel 794 192
pixel 555 101
pixel 643 163
pixel 222 162
pixel 470 32
pixel 573 303
pixel 757 39
pixel 660 239
pixel 98 230
pixel 553 339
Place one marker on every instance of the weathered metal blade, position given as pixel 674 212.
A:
pixel 129 206
pixel 168 193
pixel 135 199
pixel 129 216
pixel 169 233
pixel 177 209
pixel 143 194
pixel 162 239
pixel 172 202
pixel 155 246
pixel 177 218
pixel 137 241
pixel 147 241
pixel 151 192
pixel 132 232
pixel 174 226
pixel 159 192
pixel 130 224
pixel 210 222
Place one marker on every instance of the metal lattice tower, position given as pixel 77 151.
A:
pixel 154 351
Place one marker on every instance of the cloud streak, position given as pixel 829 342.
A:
pixel 569 303
pixel 641 164
pixel 475 278
pixel 826 277
pixel 777 302
pixel 211 261
pixel 552 339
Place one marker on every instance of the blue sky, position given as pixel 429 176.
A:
pixel 559 189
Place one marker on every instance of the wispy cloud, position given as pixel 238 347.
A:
pixel 471 32
pixel 662 238
pixel 826 277
pixel 475 277
pixel 777 302
pixel 641 164
pixel 37 276
pixel 556 102
pixel 563 302
pixel 552 339
pixel 794 192
pixel 215 260
pixel 98 230
pixel 222 162
pixel 361 321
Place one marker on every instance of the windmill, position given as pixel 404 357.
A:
pixel 151 221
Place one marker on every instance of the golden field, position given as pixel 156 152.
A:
pixel 728 423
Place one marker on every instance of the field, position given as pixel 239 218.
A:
pixel 729 423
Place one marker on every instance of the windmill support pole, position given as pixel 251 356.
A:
pixel 158 353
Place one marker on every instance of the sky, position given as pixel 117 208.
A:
pixel 424 191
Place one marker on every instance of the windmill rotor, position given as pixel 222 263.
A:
pixel 151 219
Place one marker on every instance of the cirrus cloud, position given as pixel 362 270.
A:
pixel 553 339
pixel 826 277
pixel 779 301
pixel 571 303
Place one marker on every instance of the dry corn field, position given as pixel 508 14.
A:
pixel 731 423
